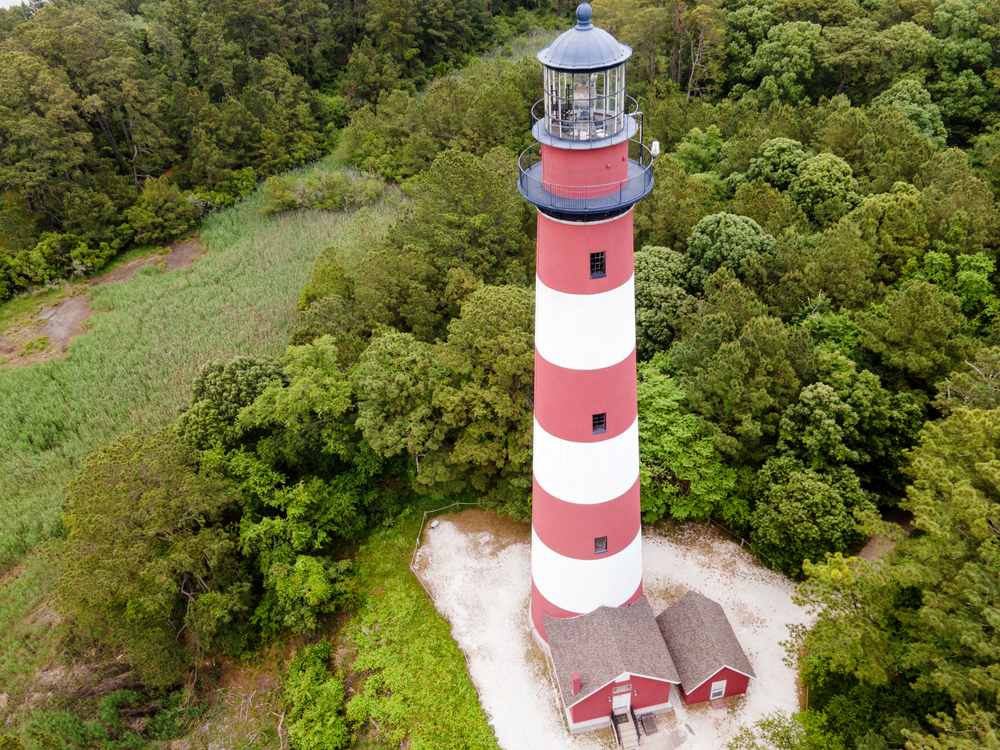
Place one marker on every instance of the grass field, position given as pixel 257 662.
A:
pixel 402 657
pixel 149 337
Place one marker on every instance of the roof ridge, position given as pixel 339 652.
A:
pixel 618 649
pixel 713 643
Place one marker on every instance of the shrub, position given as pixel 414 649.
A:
pixel 315 702
pixel 328 191
pixel 162 213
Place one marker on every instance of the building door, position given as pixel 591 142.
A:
pixel 718 690
pixel 622 700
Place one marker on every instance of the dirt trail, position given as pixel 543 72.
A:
pixel 48 333
pixel 879 545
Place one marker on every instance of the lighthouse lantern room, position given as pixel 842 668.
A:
pixel 584 175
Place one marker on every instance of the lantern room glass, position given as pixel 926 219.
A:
pixel 585 106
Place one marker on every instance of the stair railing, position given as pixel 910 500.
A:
pixel 614 726
pixel 635 721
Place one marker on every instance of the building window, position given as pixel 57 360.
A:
pixel 718 690
pixel 600 545
pixel 597 267
pixel 622 688
pixel 600 423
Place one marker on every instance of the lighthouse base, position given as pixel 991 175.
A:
pixel 536 636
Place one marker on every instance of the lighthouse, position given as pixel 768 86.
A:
pixel 584 174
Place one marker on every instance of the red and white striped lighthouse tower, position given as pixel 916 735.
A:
pixel 584 175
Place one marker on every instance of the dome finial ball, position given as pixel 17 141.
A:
pixel 583 14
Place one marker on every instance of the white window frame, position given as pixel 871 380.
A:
pixel 717 687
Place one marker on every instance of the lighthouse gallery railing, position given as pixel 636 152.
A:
pixel 585 198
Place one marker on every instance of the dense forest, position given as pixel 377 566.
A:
pixel 817 321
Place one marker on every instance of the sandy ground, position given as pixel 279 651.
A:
pixel 478 570
pixel 48 333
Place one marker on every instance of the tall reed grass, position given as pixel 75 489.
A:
pixel 149 337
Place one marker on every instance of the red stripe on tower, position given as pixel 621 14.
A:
pixel 569 528
pixel 567 399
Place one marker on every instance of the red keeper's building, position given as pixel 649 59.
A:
pixel 709 659
pixel 612 660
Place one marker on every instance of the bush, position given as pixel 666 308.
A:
pixel 315 702
pixel 328 191
pixel 162 213
pixel 54 257
pixel 240 184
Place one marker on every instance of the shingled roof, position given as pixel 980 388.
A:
pixel 605 643
pixel 701 640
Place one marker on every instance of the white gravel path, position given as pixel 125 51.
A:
pixel 478 570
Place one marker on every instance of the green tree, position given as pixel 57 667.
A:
pixel 460 408
pixel 307 402
pixel 955 559
pixel 467 213
pixel 973 388
pixel 661 303
pixel 917 333
pixel 802 514
pixel 844 267
pixel 700 151
pixel 776 731
pixel 888 422
pixel 219 392
pixel 894 225
pixel 969 281
pixel 45 145
pixel 915 102
pixel 740 367
pixel 960 208
pixel 825 188
pixel 166 586
pixel 161 213
pixel 820 429
pixel 766 205
pixel 681 472
pixel 784 66
pixel 778 162
pixel 490 352
pixel 847 50
pixel 677 203
pixel 854 600
pixel 723 240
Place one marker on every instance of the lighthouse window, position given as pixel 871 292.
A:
pixel 600 545
pixel 600 423
pixel 597 267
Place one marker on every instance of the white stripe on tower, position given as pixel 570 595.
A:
pixel 584 585
pixel 579 472
pixel 585 331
